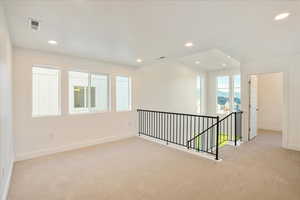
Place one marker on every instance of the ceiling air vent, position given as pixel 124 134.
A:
pixel 161 58
pixel 34 24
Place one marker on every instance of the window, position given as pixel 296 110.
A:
pixel 87 92
pixel 236 93
pixel 45 92
pixel 198 93
pixel 223 98
pixel 123 93
pixel 99 92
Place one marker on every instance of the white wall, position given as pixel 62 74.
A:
pixel 290 66
pixel 212 85
pixel 6 132
pixel 45 135
pixel 270 101
pixel 167 86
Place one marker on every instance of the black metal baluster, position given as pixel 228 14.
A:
pixel 174 128
pixel 171 127
pixel 167 128
pixel 159 133
pixel 207 124
pixel 187 129
pixel 140 122
pixel 231 127
pixel 191 127
pixel 177 142
pixel 227 128
pixel 146 122
pixel 151 124
pixel 155 123
pixel 183 128
pixel 180 133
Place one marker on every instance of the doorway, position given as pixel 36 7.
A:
pixel 266 106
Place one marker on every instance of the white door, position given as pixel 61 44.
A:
pixel 253 107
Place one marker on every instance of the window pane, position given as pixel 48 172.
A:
pixel 79 96
pixel 237 81
pixel 99 92
pixel 123 93
pixel 223 82
pixel 223 100
pixel 45 91
pixel 78 91
pixel 237 93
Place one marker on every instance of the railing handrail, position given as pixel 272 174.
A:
pixel 174 113
pixel 181 128
pixel 227 116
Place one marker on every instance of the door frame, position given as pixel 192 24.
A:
pixel 249 105
pixel 284 106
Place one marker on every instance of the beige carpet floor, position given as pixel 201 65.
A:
pixel 136 169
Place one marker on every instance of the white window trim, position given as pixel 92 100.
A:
pixel 233 87
pixel 201 94
pixel 89 111
pixel 129 95
pixel 59 113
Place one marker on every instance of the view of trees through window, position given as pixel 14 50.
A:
pixel 80 94
pixel 80 100
pixel 223 101
pixel 237 93
pixel 88 92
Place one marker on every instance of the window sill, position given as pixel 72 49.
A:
pixel 123 111
pixel 88 113
pixel 45 116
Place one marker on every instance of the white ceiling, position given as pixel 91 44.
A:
pixel 122 31
pixel 211 60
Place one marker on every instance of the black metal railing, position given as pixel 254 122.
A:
pixel 227 129
pixel 197 132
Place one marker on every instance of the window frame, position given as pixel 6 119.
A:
pixel 89 110
pixel 129 93
pixel 231 92
pixel 233 88
pixel 59 95
pixel 199 108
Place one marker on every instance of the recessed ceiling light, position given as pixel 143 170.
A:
pixel 139 60
pixel 53 42
pixel 228 56
pixel 189 44
pixel 224 64
pixel 197 62
pixel 281 16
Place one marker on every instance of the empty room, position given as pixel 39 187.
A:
pixel 153 100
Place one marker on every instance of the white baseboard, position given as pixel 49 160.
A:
pixel 7 181
pixel 293 147
pixel 44 152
